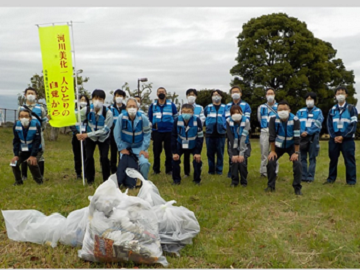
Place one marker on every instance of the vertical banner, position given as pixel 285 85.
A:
pixel 58 74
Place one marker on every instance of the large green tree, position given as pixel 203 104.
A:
pixel 279 51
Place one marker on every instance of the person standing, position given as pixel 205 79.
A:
pixel 161 114
pixel 284 137
pixel 238 127
pixel 26 146
pixel 236 94
pixel 76 147
pixel 311 119
pixel 191 95
pixel 39 114
pixel 116 108
pixel 215 132
pixel 132 135
pixel 264 113
pixel 341 125
pixel 99 122
pixel 187 137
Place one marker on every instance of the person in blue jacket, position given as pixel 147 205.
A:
pixel 236 94
pixel 191 95
pixel 311 119
pixel 116 108
pixel 284 137
pixel 215 132
pixel 341 125
pixel 26 146
pixel 161 114
pixel 132 131
pixel 187 137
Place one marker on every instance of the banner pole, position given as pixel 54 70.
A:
pixel 78 103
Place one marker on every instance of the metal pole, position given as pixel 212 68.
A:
pixel 78 103
pixel 5 117
pixel 138 87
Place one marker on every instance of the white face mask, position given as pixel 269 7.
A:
pixel 340 98
pixel 25 121
pixel 310 103
pixel 270 98
pixel 119 100
pixel 236 96
pixel 98 104
pixel 236 117
pixel 283 114
pixel 191 99
pixel 83 104
pixel 132 111
pixel 30 98
pixel 216 99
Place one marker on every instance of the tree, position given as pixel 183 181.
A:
pixel 145 92
pixel 37 82
pixel 174 98
pixel 279 51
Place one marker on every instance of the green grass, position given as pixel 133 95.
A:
pixel 240 228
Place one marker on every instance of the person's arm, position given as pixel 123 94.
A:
pixel 147 133
pixel 174 136
pixel 247 111
pixel 259 114
pixel 16 142
pixel 272 131
pixel 329 124
pixel 349 133
pixel 150 113
pixel 174 110
pixel 205 115
pixel 199 138
pixel 223 117
pixel 316 125
pixel 74 129
pixel 227 111
pixel 301 129
pixel 44 118
pixel 36 141
pixel 121 145
pixel 245 133
pixel 105 130
pixel 231 151
pixel 202 116
pixel 296 131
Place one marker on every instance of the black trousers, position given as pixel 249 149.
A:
pixel 297 168
pixel 237 168
pixel 104 159
pixel 114 153
pixel 76 147
pixel 35 170
pixel 187 163
pixel 158 139
pixel 176 167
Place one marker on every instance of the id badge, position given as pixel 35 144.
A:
pixel 158 115
pixel 24 148
pixel 308 123
pixel 311 115
pixel 278 143
pixel 13 164
pixel 185 144
pixel 340 124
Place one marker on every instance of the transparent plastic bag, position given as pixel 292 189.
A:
pixel 33 226
pixel 121 228
pixel 177 226
pixel 148 192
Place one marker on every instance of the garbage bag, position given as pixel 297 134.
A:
pixel 121 228
pixel 177 226
pixel 148 191
pixel 33 226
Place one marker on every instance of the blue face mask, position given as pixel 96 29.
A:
pixel 186 116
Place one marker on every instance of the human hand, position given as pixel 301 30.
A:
pixel 175 157
pixel 145 154
pixel 197 158
pixel 125 152
pixel 32 161
pixel 304 134
pixel 294 157
pixel 272 155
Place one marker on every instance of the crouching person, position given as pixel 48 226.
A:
pixel 237 128
pixel 27 147
pixel 132 135
pixel 187 137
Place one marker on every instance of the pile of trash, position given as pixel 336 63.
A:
pixel 115 227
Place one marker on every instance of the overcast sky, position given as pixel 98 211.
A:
pixel 177 48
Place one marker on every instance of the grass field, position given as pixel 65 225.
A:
pixel 240 227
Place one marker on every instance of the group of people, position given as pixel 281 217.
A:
pixel 125 130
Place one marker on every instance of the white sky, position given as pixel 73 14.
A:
pixel 174 47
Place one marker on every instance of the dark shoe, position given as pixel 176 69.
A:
pixel 328 182
pixel 211 173
pixel 233 185
pixel 18 183
pixel 169 173
pixel 269 189
pixel 90 183
pixel 298 192
pixel 24 178
pixel 244 185
pixel 175 183
pixel 186 175
pixel 197 183
pixel 229 175
pixel 219 173
pixel 351 185
pixel 155 173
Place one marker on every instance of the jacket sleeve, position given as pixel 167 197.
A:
pixel 349 133
pixel 247 111
pixel 205 115
pixel 105 130
pixel 298 115
pixel 36 141
pixel 296 131
pixel 73 129
pixel 16 142
pixel 199 138
pixel 202 116
pixel 329 124
pixel 44 118
pixel 316 125
pixel 150 113
pixel 174 137
pixel 231 151
pixel 259 114
pixel 174 110
pixel 272 131
pixel 246 130
pixel 121 145
pixel 147 133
